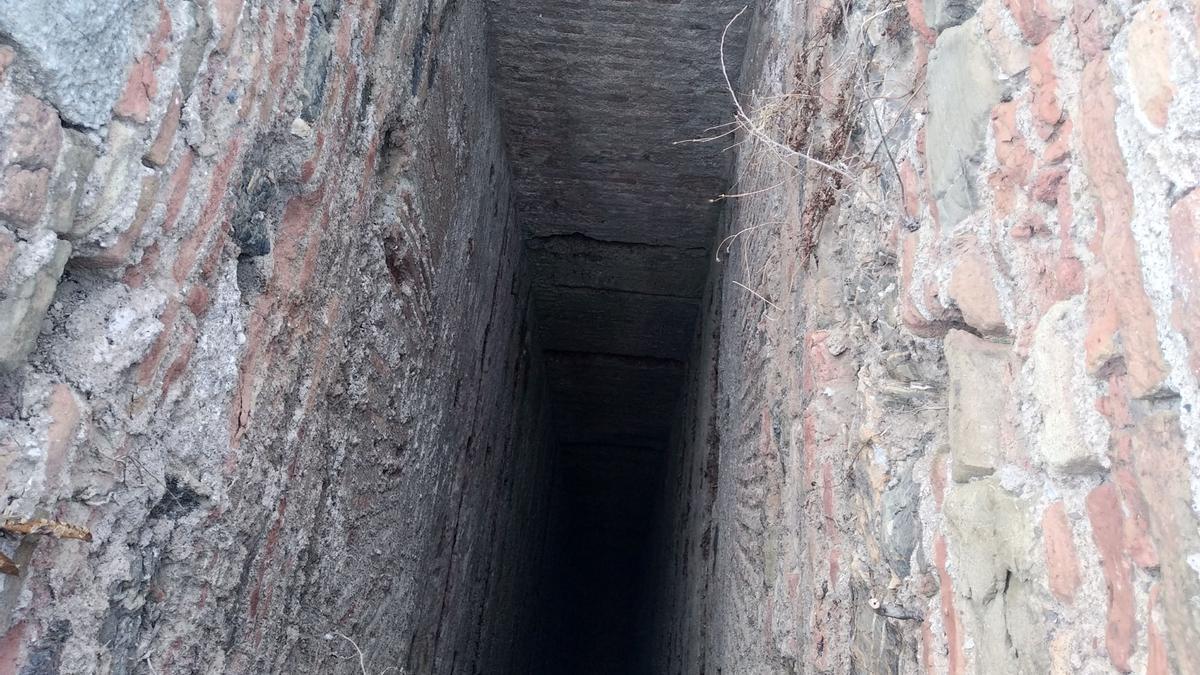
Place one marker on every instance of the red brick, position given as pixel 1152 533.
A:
pixel 118 254
pixel 194 244
pixel 1070 276
pixel 23 195
pixel 177 190
pixel 1157 662
pixel 1185 246
pixel 1160 460
pixel 916 17
pixel 1047 183
pixel 179 364
pixel 1047 110
pixel 198 301
pixel 148 367
pixel 34 135
pixel 1095 24
pixel 1138 544
pixel 12 648
pixel 140 88
pixel 1062 561
pixel 228 13
pixel 1037 19
pixel 7 56
pixel 1117 299
pixel 299 216
pixel 955 662
pixel 64 419
pixel 908 179
pixel 1058 146
pixel 158 152
pixel 1108 526
pixel 973 289
pixel 1150 61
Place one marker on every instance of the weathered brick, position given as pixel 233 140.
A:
pixel 1062 561
pixel 1117 300
pixel 950 621
pixel 1160 459
pixel 973 290
pixel 33 135
pixel 1108 526
pixel 1184 225
pixel 7 55
pixel 1150 61
pixel 1047 184
pixel 1047 110
pixel 117 253
pixel 1096 22
pixel 1037 18
pixel 158 152
pixel 23 195
pixel 140 88
pixel 228 14
pixel 64 413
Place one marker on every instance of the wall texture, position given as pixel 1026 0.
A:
pixel 263 332
pixel 943 413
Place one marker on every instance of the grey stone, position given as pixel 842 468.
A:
pixel 78 50
pixel 1057 341
pixel 963 89
pixel 33 278
pixel 75 162
pixel 901 522
pixel 981 374
pixel 942 14
pixel 994 544
pixel 109 198
pixel 992 534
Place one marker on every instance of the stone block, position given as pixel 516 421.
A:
pixel 994 544
pixel 992 535
pixel 33 278
pixel 78 51
pixel 32 136
pixel 68 181
pixel 981 376
pixel 963 89
pixel 23 195
pixel 1057 341
pixel 110 197
pixel 1150 61
pixel 973 289
pixel 942 14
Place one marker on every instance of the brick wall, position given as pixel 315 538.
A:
pixel 258 265
pixel 944 409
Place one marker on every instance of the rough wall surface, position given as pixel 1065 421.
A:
pixel 263 333
pixel 943 413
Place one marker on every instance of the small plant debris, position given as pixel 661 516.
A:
pixel 53 528
pixel 7 566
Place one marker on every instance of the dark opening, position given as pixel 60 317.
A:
pixel 619 219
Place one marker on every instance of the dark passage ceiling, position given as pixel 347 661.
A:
pixel 618 217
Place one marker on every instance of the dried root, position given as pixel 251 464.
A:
pixel 53 528
pixel 7 566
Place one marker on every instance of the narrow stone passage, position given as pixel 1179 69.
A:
pixel 671 337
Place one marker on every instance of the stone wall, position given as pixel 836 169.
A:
pixel 263 333
pixel 943 413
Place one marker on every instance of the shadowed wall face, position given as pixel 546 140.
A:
pixel 619 218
